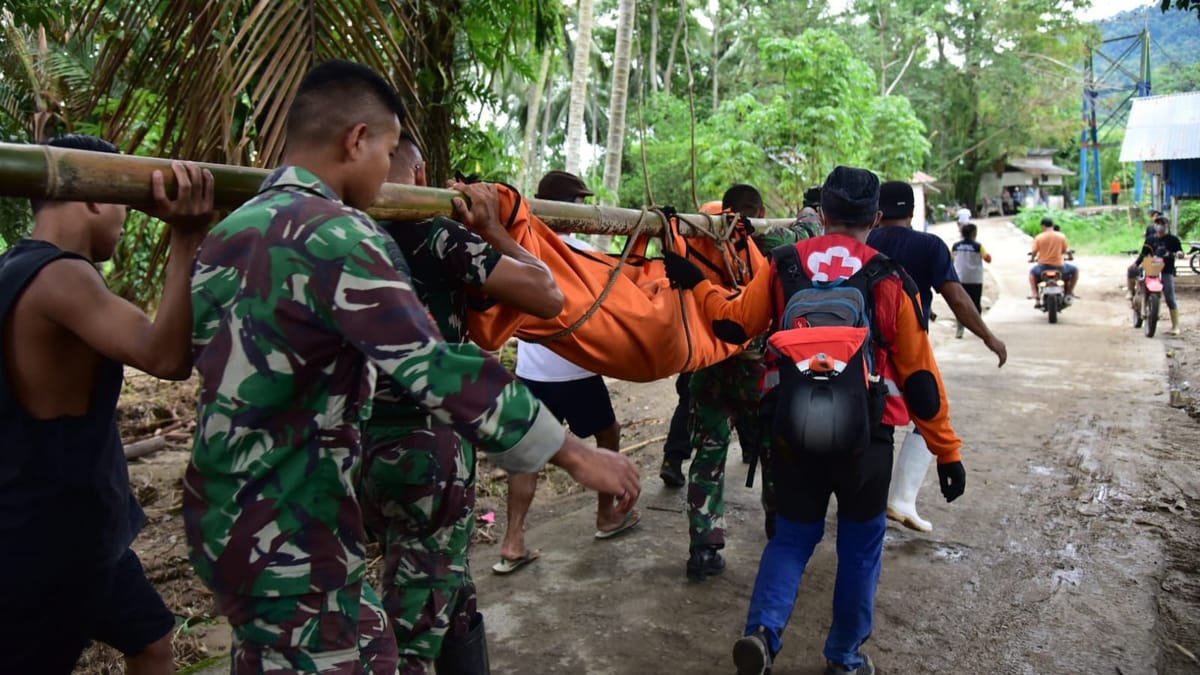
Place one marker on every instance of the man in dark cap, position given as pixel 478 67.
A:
pixel 561 186
pixel 927 260
pixel 805 479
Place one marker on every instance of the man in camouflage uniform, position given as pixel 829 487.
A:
pixel 417 484
pixel 720 394
pixel 296 302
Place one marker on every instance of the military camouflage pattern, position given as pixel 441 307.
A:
pixel 778 236
pixel 721 394
pixel 342 632
pixel 418 493
pixel 444 259
pixel 295 302
pixel 417 485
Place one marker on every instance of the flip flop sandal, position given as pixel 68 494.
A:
pixel 631 519
pixel 510 565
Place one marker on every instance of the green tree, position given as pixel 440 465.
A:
pixel 899 147
pixel 1182 5
pixel 1000 79
pixel 810 105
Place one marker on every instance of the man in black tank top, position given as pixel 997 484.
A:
pixel 67 516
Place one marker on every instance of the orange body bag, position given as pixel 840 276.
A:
pixel 643 329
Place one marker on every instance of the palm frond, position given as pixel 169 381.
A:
pixel 217 77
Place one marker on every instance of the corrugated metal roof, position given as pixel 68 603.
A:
pixel 1163 127
pixel 1038 165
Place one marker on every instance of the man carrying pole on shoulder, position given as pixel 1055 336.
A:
pixel 297 299
pixel 67 515
pixel 417 482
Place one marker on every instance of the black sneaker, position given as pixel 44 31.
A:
pixel 751 654
pixel 704 562
pixel 867 668
pixel 671 472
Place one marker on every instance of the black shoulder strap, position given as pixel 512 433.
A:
pixel 790 269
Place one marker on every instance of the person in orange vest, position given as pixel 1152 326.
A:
pixel 1115 190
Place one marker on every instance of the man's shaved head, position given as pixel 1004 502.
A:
pixel 337 95
pixel 743 199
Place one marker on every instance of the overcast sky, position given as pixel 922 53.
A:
pixel 1100 9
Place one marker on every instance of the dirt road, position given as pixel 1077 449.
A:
pixel 1076 548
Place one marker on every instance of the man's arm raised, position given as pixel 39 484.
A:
pixel 519 280
pixel 81 302
pixel 735 319
pixel 374 308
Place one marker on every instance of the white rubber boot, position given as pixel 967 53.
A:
pixel 912 463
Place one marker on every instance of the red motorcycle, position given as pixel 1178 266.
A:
pixel 1147 298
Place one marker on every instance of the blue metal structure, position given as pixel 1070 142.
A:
pixel 1101 92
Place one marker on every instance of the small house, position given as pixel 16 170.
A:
pixel 1014 182
pixel 1163 132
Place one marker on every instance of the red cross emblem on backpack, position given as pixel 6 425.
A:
pixel 832 264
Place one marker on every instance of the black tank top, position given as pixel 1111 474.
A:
pixel 64 484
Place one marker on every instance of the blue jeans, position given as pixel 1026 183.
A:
pixel 1069 271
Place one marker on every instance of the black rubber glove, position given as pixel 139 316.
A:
pixel 953 478
pixel 682 272
pixel 729 331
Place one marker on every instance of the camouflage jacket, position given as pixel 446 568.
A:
pixel 444 259
pixel 780 236
pixel 295 302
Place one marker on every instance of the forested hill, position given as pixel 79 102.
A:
pixel 1175 50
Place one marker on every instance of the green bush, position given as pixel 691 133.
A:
pixel 1189 220
pixel 1107 234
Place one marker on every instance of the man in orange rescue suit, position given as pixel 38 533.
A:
pixel 902 357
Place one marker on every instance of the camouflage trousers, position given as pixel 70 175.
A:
pixel 720 394
pixel 342 632
pixel 417 489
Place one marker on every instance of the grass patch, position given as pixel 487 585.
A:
pixel 1107 234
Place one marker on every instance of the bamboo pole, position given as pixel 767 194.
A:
pixel 44 172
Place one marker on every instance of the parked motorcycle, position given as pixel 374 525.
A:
pixel 1194 252
pixel 1147 298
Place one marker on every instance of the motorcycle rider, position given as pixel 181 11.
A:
pixel 1049 249
pixel 1131 273
pixel 1168 246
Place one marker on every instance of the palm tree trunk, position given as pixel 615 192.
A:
pixel 619 97
pixel 547 115
pixel 529 149
pixel 670 71
pixel 653 46
pixel 716 58
pixel 579 75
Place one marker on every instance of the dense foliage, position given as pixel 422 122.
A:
pixel 774 93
